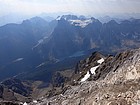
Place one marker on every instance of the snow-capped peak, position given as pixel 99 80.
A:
pixel 81 23
pixel 76 21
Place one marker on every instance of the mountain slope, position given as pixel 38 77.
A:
pixel 120 85
pixel 17 42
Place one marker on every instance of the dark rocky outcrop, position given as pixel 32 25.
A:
pixel 59 79
pixel 15 90
pixel 1 91
pixel 88 62
pixel 17 86
pixel 84 65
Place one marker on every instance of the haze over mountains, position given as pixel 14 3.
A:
pixel 18 17
pixel 37 54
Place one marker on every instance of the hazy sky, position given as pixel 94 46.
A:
pixel 85 7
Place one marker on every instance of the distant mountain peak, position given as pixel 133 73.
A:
pixel 81 21
pixel 35 20
pixel 112 22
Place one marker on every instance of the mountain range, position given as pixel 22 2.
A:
pixel 36 45
pixel 42 62
pixel 73 34
pixel 76 37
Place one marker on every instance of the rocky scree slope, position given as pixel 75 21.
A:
pixel 116 82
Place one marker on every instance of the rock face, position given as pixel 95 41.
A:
pixel 17 86
pixel 85 65
pixel 14 90
pixel 115 82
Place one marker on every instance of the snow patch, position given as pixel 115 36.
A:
pixel 85 77
pixel 41 64
pixel 25 103
pixel 81 23
pixel 39 42
pixel 100 61
pixel 17 60
pixel 34 101
pixel 93 69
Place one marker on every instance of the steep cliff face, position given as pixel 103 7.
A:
pixel 115 82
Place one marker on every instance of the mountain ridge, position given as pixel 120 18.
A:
pixel 119 86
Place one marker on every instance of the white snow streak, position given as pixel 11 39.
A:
pixel 19 59
pixel 100 61
pixel 34 101
pixel 93 69
pixel 25 103
pixel 85 77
